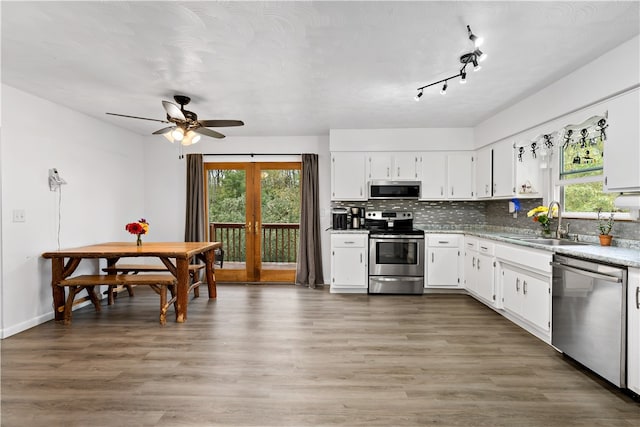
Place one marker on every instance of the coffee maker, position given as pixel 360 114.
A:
pixel 357 217
pixel 339 221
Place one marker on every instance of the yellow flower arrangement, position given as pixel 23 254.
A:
pixel 540 215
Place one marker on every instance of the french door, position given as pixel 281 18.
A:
pixel 254 210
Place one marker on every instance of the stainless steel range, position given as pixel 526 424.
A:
pixel 396 253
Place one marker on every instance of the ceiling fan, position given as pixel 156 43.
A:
pixel 185 128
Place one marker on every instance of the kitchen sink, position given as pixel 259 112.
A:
pixel 552 242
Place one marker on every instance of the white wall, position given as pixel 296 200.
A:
pixel 409 139
pixel 104 168
pixel 165 178
pixel 613 72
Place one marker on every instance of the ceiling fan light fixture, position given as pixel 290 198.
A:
pixel 177 134
pixel 190 138
pixel 417 98
pixel 480 55
pixel 476 66
pixel 169 137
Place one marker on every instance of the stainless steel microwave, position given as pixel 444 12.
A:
pixel 409 190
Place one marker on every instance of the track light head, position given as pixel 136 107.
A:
pixel 480 55
pixel 444 89
pixel 476 66
pixel 463 77
pixel 477 41
pixel 417 98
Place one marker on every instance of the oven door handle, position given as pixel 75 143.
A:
pixel 397 278
pixel 587 273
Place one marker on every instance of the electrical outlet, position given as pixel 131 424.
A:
pixel 19 215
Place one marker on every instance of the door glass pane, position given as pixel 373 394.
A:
pixel 280 218
pixel 227 214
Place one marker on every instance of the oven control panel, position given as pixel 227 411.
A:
pixel 388 215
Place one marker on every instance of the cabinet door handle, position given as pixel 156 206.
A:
pixel 398 170
pixel 473 262
pixel 486 189
pixel 360 191
pixel 494 189
pixel 452 191
pixel 387 172
pixel 432 254
pixel 361 258
pixel 524 287
pixel 441 190
pixel 638 297
pixel 517 285
pixel 478 263
pixel 443 241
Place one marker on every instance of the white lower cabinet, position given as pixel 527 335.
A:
pixel 524 286
pixel 479 272
pixel 633 330
pixel 444 261
pixel 349 263
pixel 526 295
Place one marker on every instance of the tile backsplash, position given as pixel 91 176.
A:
pixel 446 215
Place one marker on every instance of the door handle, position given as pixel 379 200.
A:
pixel 587 273
pixel 432 257
pixel 248 227
pixel 638 297
pixel 517 285
pixel 360 258
pixel 524 287
pixel 478 264
pixel 452 191
pixel 441 190
pixel 473 262
pixel 398 170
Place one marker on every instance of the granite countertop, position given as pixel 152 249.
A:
pixel 629 257
pixel 349 231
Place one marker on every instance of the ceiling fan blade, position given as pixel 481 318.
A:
pixel 209 132
pixel 173 110
pixel 163 130
pixel 136 117
pixel 220 123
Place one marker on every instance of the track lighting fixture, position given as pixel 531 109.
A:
pixel 477 41
pixel 444 88
pixel 473 57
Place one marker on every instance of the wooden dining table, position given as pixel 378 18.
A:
pixel 176 256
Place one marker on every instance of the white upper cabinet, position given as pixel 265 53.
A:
pixel 406 166
pixel 348 176
pixel 503 167
pixel 460 176
pixel 393 166
pixel 434 175
pixel 622 147
pixel 483 173
pixel 379 165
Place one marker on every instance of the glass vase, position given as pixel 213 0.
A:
pixel 139 240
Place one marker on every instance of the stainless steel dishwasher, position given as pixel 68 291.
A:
pixel 589 315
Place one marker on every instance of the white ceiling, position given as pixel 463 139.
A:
pixel 300 68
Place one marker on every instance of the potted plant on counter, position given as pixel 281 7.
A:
pixel 604 226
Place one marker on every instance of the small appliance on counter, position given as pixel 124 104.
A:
pixel 357 218
pixel 339 218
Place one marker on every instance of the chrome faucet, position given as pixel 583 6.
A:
pixel 550 214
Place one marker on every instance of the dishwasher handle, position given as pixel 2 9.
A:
pixel 588 273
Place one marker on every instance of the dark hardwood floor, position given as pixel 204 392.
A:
pixel 287 356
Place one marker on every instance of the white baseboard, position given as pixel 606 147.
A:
pixel 28 324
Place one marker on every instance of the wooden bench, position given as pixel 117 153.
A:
pixel 124 269
pixel 158 282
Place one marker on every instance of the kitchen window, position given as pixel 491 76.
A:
pixel 581 176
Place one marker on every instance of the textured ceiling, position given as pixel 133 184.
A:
pixel 300 68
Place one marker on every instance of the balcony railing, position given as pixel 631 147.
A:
pixel 279 242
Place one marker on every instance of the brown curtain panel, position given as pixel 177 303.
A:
pixel 309 269
pixel 194 230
